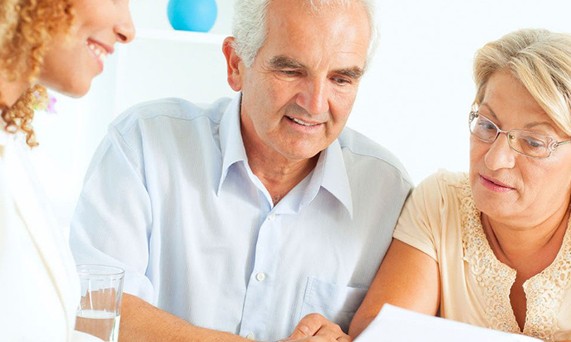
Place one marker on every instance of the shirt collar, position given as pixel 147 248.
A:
pixel 231 143
pixel 330 172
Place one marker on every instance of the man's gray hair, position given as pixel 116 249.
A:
pixel 250 26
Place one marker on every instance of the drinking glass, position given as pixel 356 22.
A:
pixel 99 311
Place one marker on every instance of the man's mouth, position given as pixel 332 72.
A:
pixel 301 122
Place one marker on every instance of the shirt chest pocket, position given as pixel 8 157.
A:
pixel 336 303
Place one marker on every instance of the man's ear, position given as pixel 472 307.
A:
pixel 234 76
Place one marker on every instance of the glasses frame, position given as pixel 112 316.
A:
pixel 552 144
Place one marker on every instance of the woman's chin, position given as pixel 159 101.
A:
pixel 73 84
pixel 75 90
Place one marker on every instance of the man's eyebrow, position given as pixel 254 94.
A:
pixel 283 62
pixel 354 72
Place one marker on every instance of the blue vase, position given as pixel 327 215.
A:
pixel 192 15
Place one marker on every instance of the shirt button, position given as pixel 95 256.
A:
pixel 250 336
pixel 260 276
pixel 271 217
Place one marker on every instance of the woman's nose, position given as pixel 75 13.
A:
pixel 500 155
pixel 125 29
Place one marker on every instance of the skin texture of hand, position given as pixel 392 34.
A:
pixel 142 322
pixel 314 327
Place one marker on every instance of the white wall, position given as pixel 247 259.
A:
pixel 414 99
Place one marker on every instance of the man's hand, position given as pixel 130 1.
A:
pixel 315 327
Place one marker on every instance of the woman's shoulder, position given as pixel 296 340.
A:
pixel 444 181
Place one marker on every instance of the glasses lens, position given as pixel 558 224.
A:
pixel 529 143
pixel 483 128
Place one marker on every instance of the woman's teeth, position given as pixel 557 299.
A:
pixel 98 51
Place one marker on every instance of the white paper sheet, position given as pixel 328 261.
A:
pixel 395 324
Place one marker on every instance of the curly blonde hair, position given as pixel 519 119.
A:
pixel 26 30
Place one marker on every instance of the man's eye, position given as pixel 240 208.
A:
pixel 341 80
pixel 289 72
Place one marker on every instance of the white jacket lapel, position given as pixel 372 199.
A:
pixel 41 225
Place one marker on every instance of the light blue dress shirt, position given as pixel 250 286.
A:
pixel 170 197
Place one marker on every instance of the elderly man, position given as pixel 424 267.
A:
pixel 244 217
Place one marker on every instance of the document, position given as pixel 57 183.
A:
pixel 395 324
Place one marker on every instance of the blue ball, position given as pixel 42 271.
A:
pixel 192 15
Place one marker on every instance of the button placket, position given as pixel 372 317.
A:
pixel 260 276
pixel 260 289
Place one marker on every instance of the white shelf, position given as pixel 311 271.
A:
pixel 180 36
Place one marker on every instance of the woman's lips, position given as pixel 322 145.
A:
pixel 99 50
pixel 494 184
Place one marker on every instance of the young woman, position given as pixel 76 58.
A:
pixel 61 44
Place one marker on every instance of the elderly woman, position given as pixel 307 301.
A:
pixel 60 44
pixel 491 247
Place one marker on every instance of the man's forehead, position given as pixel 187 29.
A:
pixel 296 38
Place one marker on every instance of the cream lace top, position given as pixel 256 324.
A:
pixel 441 220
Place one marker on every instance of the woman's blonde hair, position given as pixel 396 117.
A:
pixel 26 30
pixel 541 60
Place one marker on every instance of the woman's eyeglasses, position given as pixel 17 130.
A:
pixel 528 143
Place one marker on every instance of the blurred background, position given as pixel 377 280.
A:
pixel 414 99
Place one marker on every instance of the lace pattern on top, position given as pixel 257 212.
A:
pixel 544 291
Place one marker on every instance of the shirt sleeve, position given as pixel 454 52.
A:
pixel 421 222
pixel 112 221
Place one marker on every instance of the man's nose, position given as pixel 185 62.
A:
pixel 313 97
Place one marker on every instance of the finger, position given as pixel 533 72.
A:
pixel 303 330
pixel 308 326
pixel 332 332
